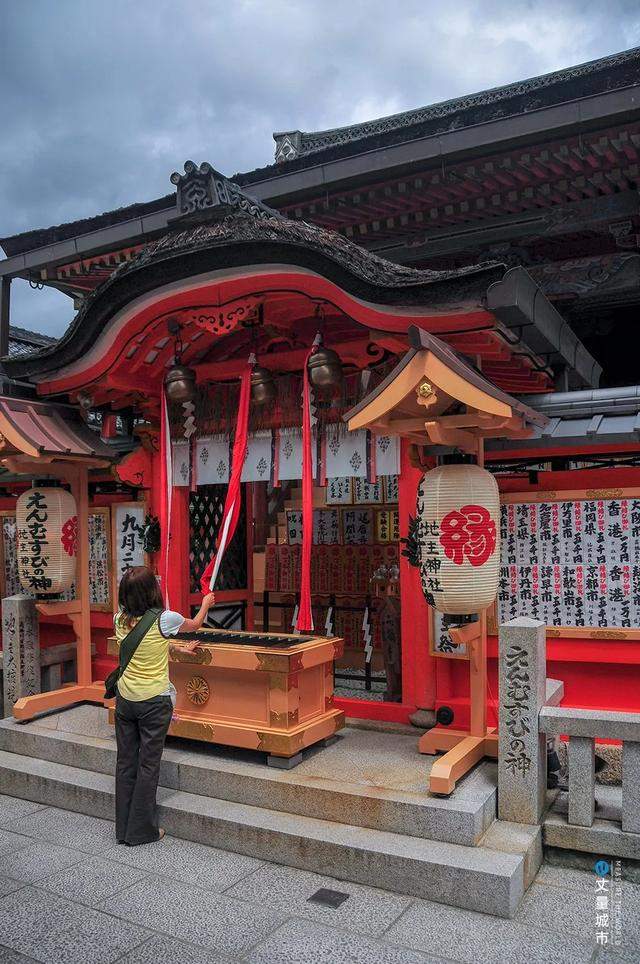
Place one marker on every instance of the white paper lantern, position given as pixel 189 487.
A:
pixel 458 533
pixel 47 540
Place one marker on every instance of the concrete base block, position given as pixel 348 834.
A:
pixel 51 677
pixel 315 789
pixel 487 880
pixel 631 787
pixel 517 838
pixel 284 762
pixel 603 837
pixel 582 781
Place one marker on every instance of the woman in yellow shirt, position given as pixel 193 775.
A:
pixel 144 703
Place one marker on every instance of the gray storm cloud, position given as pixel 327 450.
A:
pixel 100 102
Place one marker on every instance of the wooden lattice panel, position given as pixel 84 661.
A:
pixel 206 506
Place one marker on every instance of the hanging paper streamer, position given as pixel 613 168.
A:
pixel 181 472
pixel 305 617
pixel 366 636
pixel 166 488
pixel 233 500
pixel 189 419
pixel 212 460
pixel 258 465
pixel 328 623
pixel 289 454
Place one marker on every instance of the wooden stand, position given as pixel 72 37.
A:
pixel 463 749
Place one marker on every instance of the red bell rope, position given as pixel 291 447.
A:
pixel 304 623
pixel 166 488
pixel 233 498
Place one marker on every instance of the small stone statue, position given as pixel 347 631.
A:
pixel 387 586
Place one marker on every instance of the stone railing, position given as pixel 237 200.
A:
pixel 583 727
pixel 529 715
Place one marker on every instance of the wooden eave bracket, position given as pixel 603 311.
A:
pixel 463 431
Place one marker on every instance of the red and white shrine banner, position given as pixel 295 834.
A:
pixel 258 465
pixel 346 453
pixel 212 460
pixel 572 563
pixel 233 499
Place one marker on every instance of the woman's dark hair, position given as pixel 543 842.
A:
pixel 139 591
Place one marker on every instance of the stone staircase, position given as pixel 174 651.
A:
pixel 355 811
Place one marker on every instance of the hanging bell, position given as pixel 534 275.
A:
pixel 325 368
pixel 180 384
pixel 263 387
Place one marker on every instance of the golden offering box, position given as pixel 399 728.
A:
pixel 262 691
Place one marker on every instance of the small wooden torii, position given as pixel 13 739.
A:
pixel 436 399
pixel 39 440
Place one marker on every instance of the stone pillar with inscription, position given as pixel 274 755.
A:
pixel 20 649
pixel 522 752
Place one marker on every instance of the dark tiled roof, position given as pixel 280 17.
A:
pixel 525 95
pixel 24 342
pixel 248 237
pixel 609 73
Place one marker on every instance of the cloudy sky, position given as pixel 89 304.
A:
pixel 100 101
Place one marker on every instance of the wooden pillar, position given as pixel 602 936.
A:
pixel 478 661
pixel 418 667
pixel 478 680
pixel 179 549
pixel 79 478
pixel 250 536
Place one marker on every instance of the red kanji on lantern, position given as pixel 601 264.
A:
pixel 468 533
pixel 69 536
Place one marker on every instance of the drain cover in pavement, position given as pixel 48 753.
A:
pixel 328 898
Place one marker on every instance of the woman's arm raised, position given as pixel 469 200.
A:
pixel 192 625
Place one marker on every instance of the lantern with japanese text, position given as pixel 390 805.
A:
pixel 457 531
pixel 47 540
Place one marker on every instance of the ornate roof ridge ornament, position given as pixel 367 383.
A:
pixel 205 194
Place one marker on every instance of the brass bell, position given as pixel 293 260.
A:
pixel 180 384
pixel 325 368
pixel 263 387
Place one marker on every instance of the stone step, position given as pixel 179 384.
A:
pixel 239 777
pixel 476 878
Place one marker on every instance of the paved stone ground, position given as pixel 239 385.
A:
pixel 68 894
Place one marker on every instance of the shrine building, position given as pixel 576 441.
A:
pixel 483 253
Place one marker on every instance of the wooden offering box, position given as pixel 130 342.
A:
pixel 262 691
